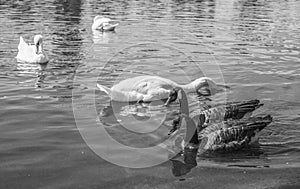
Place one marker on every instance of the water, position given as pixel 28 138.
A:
pixel 252 46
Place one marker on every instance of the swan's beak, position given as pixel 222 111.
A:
pixel 37 48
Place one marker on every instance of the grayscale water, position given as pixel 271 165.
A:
pixel 252 46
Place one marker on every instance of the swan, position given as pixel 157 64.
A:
pixel 151 88
pixel 103 24
pixel 225 135
pixel 32 53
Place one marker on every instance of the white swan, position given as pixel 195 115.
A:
pixel 103 24
pixel 32 53
pixel 151 88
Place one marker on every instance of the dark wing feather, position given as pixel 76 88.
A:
pixel 231 110
pixel 232 133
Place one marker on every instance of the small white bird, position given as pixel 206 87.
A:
pixel 103 24
pixel 32 53
pixel 150 88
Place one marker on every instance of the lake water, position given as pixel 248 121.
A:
pixel 48 110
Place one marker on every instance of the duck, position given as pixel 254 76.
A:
pixel 223 136
pixel 151 88
pixel 220 112
pixel 103 24
pixel 32 53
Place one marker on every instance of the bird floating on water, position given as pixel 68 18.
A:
pixel 32 53
pixel 223 136
pixel 232 134
pixel 219 112
pixel 103 24
pixel 151 88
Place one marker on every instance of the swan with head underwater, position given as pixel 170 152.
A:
pixel 32 53
pixel 152 88
pixel 103 24
pixel 222 136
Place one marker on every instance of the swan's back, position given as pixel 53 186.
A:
pixel 142 84
pixel 99 21
pixel 24 50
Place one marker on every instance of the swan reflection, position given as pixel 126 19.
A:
pixel 34 71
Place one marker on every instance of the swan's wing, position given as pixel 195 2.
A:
pixel 103 20
pixel 153 89
pixel 22 44
pixel 156 94
pixel 154 83
pixel 26 52
pixel 146 88
pixel 98 23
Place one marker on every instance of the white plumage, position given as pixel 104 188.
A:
pixel 151 88
pixel 103 24
pixel 32 53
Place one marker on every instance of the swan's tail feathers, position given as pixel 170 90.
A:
pixel 104 89
pixel 22 45
pixel 22 42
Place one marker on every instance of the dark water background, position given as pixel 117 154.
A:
pixel 254 45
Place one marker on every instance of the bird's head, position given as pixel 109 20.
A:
pixel 38 42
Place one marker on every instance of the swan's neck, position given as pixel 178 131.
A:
pixel 189 88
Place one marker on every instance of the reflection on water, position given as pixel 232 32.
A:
pixel 139 125
pixel 183 163
pixel 103 37
pixel 32 70
pixel 254 43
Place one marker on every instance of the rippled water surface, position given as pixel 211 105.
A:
pixel 250 45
